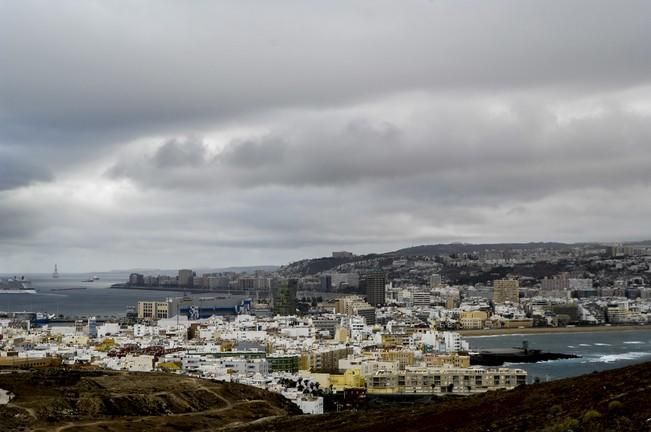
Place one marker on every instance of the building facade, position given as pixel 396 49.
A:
pixel 376 288
pixel 283 293
pixel 444 380
pixel 506 290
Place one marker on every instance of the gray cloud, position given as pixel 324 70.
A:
pixel 17 172
pixel 232 132
pixel 461 156
pixel 94 67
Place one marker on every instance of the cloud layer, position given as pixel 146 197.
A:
pixel 231 133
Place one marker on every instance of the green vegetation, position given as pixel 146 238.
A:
pixel 568 424
pixel 169 366
pixel 105 345
pixel 615 406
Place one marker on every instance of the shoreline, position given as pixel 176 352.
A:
pixel 552 330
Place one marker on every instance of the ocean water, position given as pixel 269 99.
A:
pixel 96 299
pixel 598 350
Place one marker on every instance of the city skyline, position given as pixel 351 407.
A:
pixel 251 267
pixel 196 134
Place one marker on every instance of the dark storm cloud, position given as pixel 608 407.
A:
pixel 96 66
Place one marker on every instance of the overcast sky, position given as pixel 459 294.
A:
pixel 213 133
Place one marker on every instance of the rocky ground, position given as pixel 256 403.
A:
pixel 74 400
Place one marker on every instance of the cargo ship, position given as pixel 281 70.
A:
pixel 16 286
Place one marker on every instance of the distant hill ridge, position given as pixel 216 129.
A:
pixel 311 266
pixel 440 249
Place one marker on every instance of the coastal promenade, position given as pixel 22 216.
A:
pixel 547 330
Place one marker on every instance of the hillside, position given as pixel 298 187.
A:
pixel 617 400
pixel 58 400
pixel 312 266
pixel 451 248
pixel 75 401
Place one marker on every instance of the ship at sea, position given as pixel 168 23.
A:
pixel 16 286
pixel 55 274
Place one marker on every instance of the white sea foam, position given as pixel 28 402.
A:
pixel 602 344
pixel 585 345
pixel 499 335
pixel 571 346
pixel 609 358
pixel 633 342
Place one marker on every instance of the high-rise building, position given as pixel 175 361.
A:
pixel 579 284
pixel 555 284
pixel 326 283
pixel 79 327
pixel 186 278
pixel 92 327
pixel 420 296
pixel 355 305
pixel 246 284
pixel 136 279
pixel 344 280
pixel 218 283
pixel 376 288
pixel 283 292
pixel 506 290
pixel 435 281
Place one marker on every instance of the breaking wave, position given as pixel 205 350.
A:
pixel 610 358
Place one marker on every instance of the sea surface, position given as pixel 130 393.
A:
pixel 598 350
pixel 93 299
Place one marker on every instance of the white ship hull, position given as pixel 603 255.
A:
pixel 17 291
pixel 16 286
